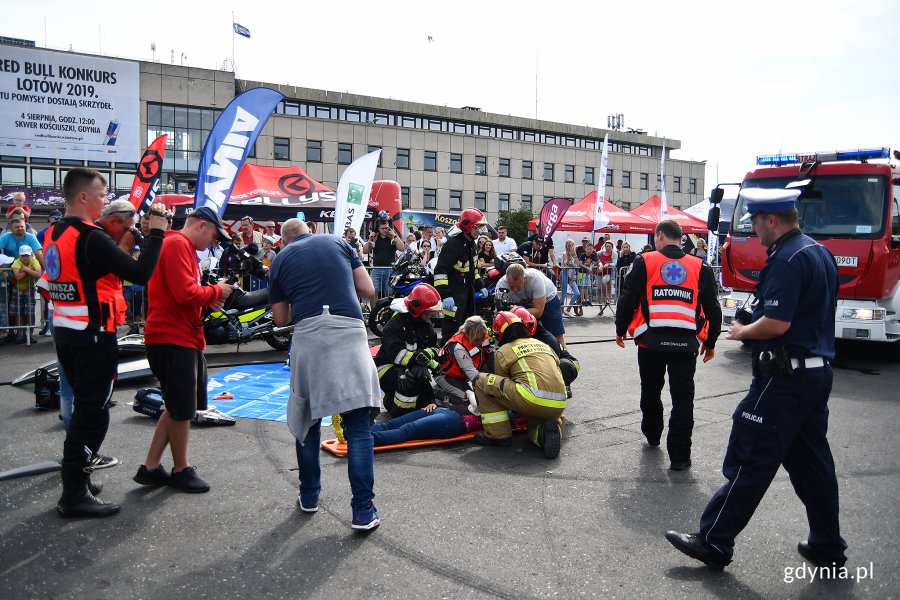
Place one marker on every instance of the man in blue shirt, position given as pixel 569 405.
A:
pixel 16 237
pixel 783 420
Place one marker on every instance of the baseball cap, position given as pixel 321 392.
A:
pixel 55 215
pixel 538 238
pixel 207 214
pixel 25 250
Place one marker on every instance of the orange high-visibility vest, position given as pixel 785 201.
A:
pixel 672 294
pixel 451 369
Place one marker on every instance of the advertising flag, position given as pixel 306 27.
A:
pixel 146 179
pixel 241 30
pixel 353 192
pixel 229 143
pixel 601 219
pixel 663 205
pixel 551 215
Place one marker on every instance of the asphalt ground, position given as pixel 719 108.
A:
pixel 458 521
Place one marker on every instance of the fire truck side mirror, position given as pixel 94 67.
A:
pixel 716 195
pixel 712 220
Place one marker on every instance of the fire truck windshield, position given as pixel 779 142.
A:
pixel 843 206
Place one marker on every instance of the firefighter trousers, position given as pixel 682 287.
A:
pixel 498 395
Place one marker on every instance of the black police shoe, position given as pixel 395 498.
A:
pixel 87 506
pixel 484 440
pixel 817 558
pixel 94 487
pixel 680 464
pixel 695 547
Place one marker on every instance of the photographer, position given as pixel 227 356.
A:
pixel 383 246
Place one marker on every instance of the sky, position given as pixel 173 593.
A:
pixel 730 80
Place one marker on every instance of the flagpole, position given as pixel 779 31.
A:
pixel 233 68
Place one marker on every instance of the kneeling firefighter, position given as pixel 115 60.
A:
pixel 408 350
pixel 568 364
pixel 526 380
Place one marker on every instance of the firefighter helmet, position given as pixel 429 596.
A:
pixel 423 298
pixel 470 219
pixel 528 319
pixel 503 320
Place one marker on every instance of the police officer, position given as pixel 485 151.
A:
pixel 784 417
pixel 456 275
pixel 666 300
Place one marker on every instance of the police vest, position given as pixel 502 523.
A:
pixel 451 369
pixel 671 296
pixel 80 304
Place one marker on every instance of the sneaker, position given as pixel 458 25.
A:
pixel 365 519
pixel 103 462
pixel 550 438
pixel 157 476
pixel 186 480
pixel 308 503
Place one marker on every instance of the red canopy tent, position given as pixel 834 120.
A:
pixel 580 217
pixel 651 210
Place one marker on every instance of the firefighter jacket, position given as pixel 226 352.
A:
pixel 403 336
pixel 533 368
pixel 456 275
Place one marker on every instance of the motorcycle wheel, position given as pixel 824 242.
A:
pixel 279 341
pixel 380 315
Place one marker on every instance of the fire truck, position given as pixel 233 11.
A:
pixel 849 204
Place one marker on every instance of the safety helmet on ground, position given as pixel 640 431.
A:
pixel 470 219
pixel 503 320
pixel 528 319
pixel 423 298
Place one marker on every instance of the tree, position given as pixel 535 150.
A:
pixel 516 223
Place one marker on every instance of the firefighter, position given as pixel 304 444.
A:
pixel 408 351
pixel 526 380
pixel 456 275
pixel 568 364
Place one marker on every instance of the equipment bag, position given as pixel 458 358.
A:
pixel 46 390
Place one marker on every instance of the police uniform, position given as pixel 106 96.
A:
pixel 783 419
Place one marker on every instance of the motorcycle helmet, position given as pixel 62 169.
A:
pixel 528 319
pixel 503 320
pixel 470 219
pixel 422 299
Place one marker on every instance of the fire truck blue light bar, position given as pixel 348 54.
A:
pixel 774 160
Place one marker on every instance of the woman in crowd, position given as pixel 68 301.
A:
pixel 587 259
pixel 607 259
pixel 569 268
pixel 700 249
pixel 426 252
pixel 486 256
pixel 439 238
pixel 626 257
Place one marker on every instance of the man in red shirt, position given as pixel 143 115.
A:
pixel 174 338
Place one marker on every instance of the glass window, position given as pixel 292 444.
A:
pixel 379 118
pixel 504 203
pixel 589 175
pixel 626 179
pixel 168 116
pixel 251 154
pixel 507 134
pixel 529 136
pixel 570 173
pixel 658 182
pixel 314 151
pixel 194 119
pixel 322 112
pixel 609 177
pixel 406 121
pixel 484 130
pixel 345 153
pixel 455 200
pixel 37 160
pixel 645 181
pixel 456 163
pixel 123 181
pixel 208 118
pixel 526 169
pixel 481 201
pixel 80 163
pixel 98 164
pixel 292 109
pixel 549 138
pixel 12 176
pixel 676 184
pixel 481 165
pixel 643 151
pixel 548 171
pixel 154 114
pixel 282 148
pixel 692 186
pixel 181 116
pixel 404 197
pixel 43 178
pixel 526 201
pixel 402 161
pixel 457 127
pixel 14 159
pixel 504 167
pixel 353 115
pixel 371 149
pixel 435 124
pixel 430 160
pixel 429 198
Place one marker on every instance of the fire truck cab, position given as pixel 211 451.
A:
pixel 852 207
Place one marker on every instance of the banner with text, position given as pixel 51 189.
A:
pixel 552 215
pixel 69 106
pixel 146 179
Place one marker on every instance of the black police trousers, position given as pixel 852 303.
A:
pixel 681 366
pixel 782 421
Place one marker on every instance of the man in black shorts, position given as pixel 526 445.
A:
pixel 174 338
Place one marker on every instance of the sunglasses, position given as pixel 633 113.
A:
pixel 130 213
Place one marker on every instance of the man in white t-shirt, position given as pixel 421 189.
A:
pixel 503 243
pixel 535 291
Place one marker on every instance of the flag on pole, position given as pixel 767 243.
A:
pixel 601 219
pixel 353 192
pixel 241 30
pixel 551 216
pixel 663 204
pixel 146 178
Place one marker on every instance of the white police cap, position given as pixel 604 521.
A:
pixel 769 199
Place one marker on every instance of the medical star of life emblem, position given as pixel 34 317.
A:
pixel 673 272
pixel 51 261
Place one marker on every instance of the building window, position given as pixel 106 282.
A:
pixel 527 169
pixel 504 167
pixel 314 151
pixel 645 181
pixel 481 201
pixel 402 161
pixel 12 176
pixel 526 201
pixel 455 200
pixel 371 149
pixel 626 179
pixel 658 183
pixel 282 148
pixel 481 165
pixel 404 197
pixel 504 203
pixel 43 178
pixel 123 180
pixel 345 153
pixel 692 186
pixel 456 163
pixel 676 184
pixel 430 160
pixel 609 178
pixel 548 171
pixel 570 173
pixel 429 199
pixel 589 175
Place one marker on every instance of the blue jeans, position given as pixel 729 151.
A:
pixel 568 277
pixel 66 395
pixel 381 277
pixel 360 459
pixel 419 425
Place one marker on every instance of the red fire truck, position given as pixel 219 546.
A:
pixel 851 206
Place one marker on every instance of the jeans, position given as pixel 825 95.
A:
pixel 381 277
pixel 568 277
pixel 360 458
pixel 66 395
pixel 419 425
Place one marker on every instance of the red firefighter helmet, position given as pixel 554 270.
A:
pixel 528 319
pixel 469 219
pixel 503 320
pixel 423 298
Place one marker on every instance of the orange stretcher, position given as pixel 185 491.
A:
pixel 340 449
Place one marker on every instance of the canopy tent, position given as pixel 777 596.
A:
pixel 650 210
pixel 580 217
pixel 699 210
pixel 278 194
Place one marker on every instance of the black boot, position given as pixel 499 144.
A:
pixel 77 499
pixel 94 487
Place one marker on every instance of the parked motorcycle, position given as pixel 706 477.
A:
pixel 406 273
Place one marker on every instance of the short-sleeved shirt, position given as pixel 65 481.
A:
pixel 542 256
pixel 507 245
pixel 537 285
pixel 313 271
pixel 9 245
pixel 799 284
pixel 27 282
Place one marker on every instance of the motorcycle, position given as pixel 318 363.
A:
pixel 406 273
